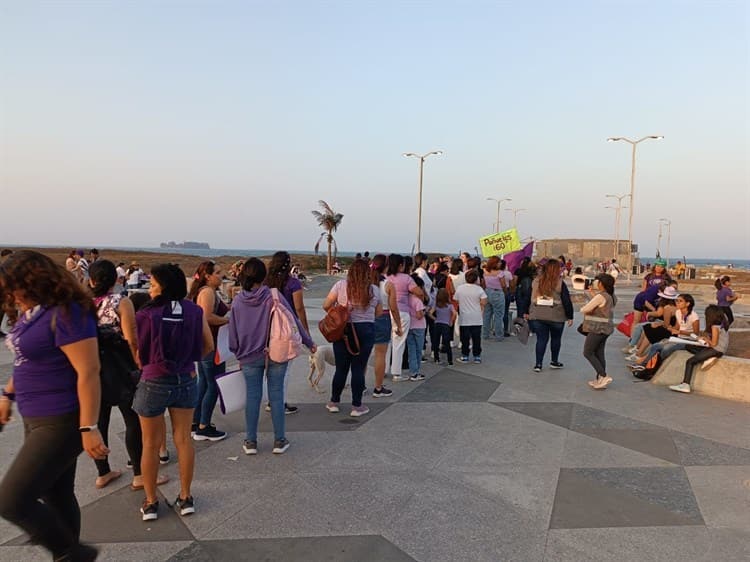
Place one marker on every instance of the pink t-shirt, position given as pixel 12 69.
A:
pixel 415 305
pixel 403 283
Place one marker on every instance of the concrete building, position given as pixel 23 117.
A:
pixel 585 251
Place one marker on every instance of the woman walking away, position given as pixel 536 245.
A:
pixel 716 339
pixel 363 300
pixel 598 325
pixel 522 280
pixel 172 335
pixel 56 383
pixel 404 285
pixel 118 349
pixel 383 323
pixel 204 293
pixel 445 316
pixel 279 277
pixel 249 332
pixel 725 297
pixel 494 283
pixel 550 308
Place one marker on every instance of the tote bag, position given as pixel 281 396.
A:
pixel 232 391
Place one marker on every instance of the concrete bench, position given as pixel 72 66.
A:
pixel 728 378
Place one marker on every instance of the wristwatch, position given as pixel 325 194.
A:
pixel 86 428
pixel 9 395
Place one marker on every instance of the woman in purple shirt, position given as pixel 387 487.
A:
pixel 172 335
pixel 55 382
pixel 363 299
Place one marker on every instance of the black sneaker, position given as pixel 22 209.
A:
pixel 184 506
pixel 537 368
pixel 209 433
pixel 556 365
pixel 382 391
pixel 290 409
pixel 150 511
pixel 164 459
pixel 129 464
pixel 193 429
pixel 280 446
pixel 79 553
pixel 250 447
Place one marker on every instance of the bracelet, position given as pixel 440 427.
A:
pixel 9 395
pixel 87 428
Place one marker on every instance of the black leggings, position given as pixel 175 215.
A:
pixel 593 351
pixel 133 437
pixel 700 354
pixel 727 310
pixel 45 468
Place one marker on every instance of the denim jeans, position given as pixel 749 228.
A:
pixel 443 335
pixel 506 314
pixel 494 311
pixel 357 363
pixel 154 396
pixel 593 351
pixel 274 373
pixel 546 331
pixel 636 332
pixel 208 390
pixel 415 344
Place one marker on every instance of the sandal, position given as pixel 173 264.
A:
pixel 160 479
pixel 104 481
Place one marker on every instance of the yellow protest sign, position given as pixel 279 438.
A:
pixel 500 243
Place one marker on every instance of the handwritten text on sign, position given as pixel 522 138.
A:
pixel 500 243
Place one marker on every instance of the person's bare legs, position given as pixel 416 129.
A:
pixel 381 349
pixel 182 420
pixel 153 433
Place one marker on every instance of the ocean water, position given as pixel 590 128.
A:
pixel 706 262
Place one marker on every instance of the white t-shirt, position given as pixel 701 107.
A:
pixel 469 296
pixel 426 278
pixel 121 272
pixel 508 277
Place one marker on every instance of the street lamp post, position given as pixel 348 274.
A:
pixel 422 158
pixel 618 212
pixel 634 144
pixel 669 235
pixel 515 214
pixel 497 215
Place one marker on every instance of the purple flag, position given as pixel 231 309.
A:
pixel 514 259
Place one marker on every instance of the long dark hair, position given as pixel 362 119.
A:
pixel 253 272
pixel 378 265
pixel 39 280
pixel 200 279
pixel 715 317
pixel 278 270
pixel 457 266
pixel 172 281
pixel 103 276
pixel 395 261
pixel 719 283
pixel 608 284
pixel 689 300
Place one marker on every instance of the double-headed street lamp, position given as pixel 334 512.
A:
pixel 497 215
pixel 618 211
pixel 515 214
pixel 669 236
pixel 634 144
pixel 422 158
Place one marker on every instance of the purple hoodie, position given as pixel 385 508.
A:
pixel 249 324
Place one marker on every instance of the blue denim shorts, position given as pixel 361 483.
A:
pixel 153 397
pixel 383 328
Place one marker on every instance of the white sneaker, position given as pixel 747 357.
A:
pixel 399 378
pixel 333 407
pixel 708 363
pixel 628 349
pixel 632 357
pixel 682 387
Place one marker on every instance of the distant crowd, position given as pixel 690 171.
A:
pixel 91 335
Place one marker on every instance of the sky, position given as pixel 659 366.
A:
pixel 135 122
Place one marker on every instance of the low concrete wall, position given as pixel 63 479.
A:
pixel 728 378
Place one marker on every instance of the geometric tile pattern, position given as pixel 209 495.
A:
pixel 624 497
pixel 295 549
pixel 649 439
pixel 452 386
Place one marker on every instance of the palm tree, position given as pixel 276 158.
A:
pixel 330 221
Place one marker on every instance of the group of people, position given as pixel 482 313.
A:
pixel 83 348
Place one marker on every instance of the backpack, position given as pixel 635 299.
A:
pixel 284 338
pixel 119 374
pixel 649 369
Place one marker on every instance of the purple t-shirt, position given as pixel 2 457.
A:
pixel 357 313
pixel 443 314
pixel 45 382
pixel 292 286
pixel 403 283
pixel 415 305
pixel 721 296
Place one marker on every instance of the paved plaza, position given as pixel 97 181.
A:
pixel 487 462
